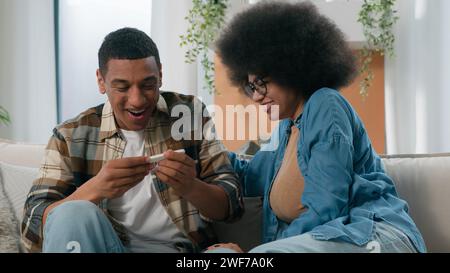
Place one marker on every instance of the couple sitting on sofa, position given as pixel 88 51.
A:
pixel 324 187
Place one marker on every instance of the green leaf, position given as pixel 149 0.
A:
pixel 205 18
pixel 4 116
pixel 377 19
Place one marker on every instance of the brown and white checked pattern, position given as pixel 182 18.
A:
pixel 81 146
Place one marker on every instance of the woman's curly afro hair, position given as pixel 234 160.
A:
pixel 291 43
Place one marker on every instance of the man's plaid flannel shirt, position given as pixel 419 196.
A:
pixel 81 146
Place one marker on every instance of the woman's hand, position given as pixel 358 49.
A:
pixel 231 246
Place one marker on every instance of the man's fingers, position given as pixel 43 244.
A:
pixel 130 181
pixel 174 174
pixel 122 173
pixel 167 178
pixel 180 157
pixel 128 162
pixel 180 167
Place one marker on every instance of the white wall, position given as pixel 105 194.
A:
pixel 27 69
pixel 344 13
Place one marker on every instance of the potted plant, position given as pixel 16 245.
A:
pixel 378 18
pixel 4 116
pixel 205 20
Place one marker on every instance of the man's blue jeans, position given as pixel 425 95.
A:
pixel 80 226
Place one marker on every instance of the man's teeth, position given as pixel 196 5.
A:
pixel 136 112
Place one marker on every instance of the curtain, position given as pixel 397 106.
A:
pixel 83 24
pixel 27 69
pixel 168 24
pixel 418 79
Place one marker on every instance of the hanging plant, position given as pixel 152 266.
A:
pixel 4 116
pixel 205 20
pixel 378 18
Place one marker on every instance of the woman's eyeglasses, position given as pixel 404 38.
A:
pixel 259 85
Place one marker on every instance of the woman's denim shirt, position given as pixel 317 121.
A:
pixel 346 187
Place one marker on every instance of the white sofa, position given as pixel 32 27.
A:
pixel 422 180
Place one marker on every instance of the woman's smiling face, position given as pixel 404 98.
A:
pixel 289 103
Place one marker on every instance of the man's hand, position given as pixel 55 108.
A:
pixel 118 176
pixel 114 179
pixel 179 171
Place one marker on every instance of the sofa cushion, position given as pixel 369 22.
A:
pixel 17 181
pixel 23 154
pixel 424 182
pixel 9 225
pixel 247 231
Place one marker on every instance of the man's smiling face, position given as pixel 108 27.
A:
pixel 132 87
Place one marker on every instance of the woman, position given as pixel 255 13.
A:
pixel 324 187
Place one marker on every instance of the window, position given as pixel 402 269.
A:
pixel 81 27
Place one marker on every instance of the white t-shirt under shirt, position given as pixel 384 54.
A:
pixel 140 211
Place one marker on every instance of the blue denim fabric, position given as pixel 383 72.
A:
pixel 346 187
pixel 82 227
pixel 385 239
pixel 79 227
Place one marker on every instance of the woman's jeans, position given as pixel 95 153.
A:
pixel 385 239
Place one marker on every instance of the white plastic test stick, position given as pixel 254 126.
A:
pixel 156 158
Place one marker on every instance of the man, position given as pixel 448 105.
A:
pixel 96 191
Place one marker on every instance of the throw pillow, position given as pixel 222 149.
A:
pixel 9 227
pixel 17 181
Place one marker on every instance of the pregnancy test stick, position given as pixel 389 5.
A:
pixel 156 158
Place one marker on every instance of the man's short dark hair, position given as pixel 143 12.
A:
pixel 292 43
pixel 126 44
